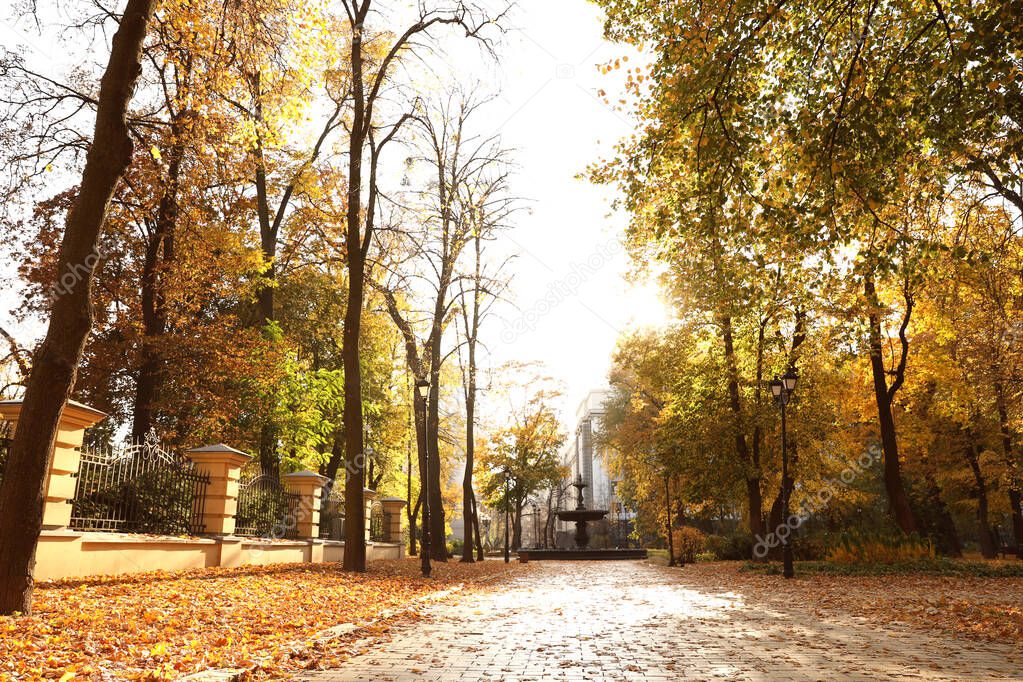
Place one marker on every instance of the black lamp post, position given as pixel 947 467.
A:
pixel 782 390
pixel 423 393
pixel 507 514
pixel 667 523
pixel 536 525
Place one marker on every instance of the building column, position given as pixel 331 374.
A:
pixel 368 497
pixel 67 457
pixel 223 464
pixel 308 485
pixel 392 518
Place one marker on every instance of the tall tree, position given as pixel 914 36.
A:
pixel 55 363
pixel 487 208
pixel 369 75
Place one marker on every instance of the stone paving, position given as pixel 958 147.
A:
pixel 635 621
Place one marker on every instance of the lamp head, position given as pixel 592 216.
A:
pixel 776 387
pixel 423 388
pixel 790 380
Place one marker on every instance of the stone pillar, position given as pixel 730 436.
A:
pixel 67 456
pixel 368 497
pixel 309 486
pixel 224 465
pixel 392 518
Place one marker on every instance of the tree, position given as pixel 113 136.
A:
pixel 461 194
pixel 55 363
pixel 370 68
pixel 487 211
pixel 522 458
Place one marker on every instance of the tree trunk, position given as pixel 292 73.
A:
pixel 754 495
pixel 986 535
pixel 898 500
pixel 355 509
pixel 945 524
pixel 468 496
pixel 1008 452
pixel 413 518
pixel 438 536
pixel 55 364
pixel 476 529
pixel 158 257
pixel 516 540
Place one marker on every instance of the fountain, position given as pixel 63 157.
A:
pixel 581 516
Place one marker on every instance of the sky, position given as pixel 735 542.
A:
pixel 569 300
pixel 572 300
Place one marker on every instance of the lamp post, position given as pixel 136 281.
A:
pixel 782 389
pixel 536 525
pixel 423 394
pixel 667 523
pixel 507 514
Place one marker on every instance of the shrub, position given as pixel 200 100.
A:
pixel 858 547
pixel 733 547
pixel 688 543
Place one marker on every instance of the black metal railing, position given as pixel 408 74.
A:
pixel 378 523
pixel 332 513
pixel 266 509
pixel 139 488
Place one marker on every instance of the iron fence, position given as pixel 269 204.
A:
pixel 266 509
pixel 332 513
pixel 378 523
pixel 139 488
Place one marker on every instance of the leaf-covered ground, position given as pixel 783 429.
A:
pixel 165 625
pixel 987 609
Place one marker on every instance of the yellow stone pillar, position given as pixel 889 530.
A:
pixel 392 518
pixel 224 465
pixel 308 485
pixel 368 497
pixel 67 457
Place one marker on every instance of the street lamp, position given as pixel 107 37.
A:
pixel 667 508
pixel 423 393
pixel 536 525
pixel 782 389
pixel 507 514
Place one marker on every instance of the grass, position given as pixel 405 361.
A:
pixel 940 566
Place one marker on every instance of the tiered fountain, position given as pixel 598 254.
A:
pixel 580 516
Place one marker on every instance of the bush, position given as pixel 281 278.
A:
pixel 733 547
pixel 688 543
pixel 810 548
pixel 858 547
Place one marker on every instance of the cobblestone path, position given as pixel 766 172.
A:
pixel 635 621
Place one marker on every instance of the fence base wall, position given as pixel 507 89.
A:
pixel 72 554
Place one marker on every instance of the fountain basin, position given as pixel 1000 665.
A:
pixel 576 515
pixel 527 555
pixel 580 516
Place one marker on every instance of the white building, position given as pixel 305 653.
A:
pixel 586 459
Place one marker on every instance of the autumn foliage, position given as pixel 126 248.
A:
pixel 164 625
